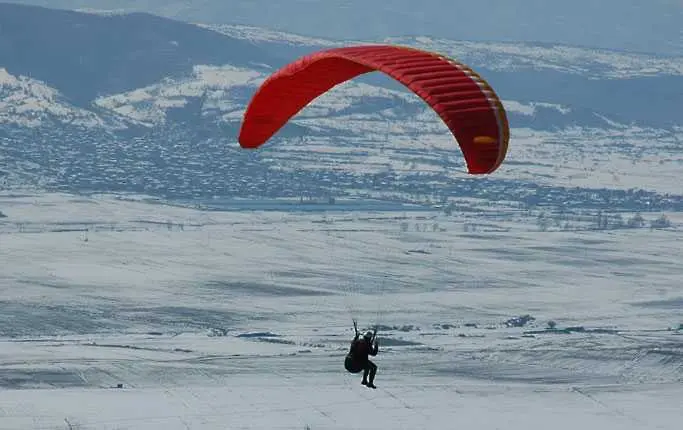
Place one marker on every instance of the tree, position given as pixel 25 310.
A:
pixel 543 221
pixel 661 222
pixel 637 221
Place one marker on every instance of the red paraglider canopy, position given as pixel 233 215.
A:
pixel 464 101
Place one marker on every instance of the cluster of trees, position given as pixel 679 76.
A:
pixel 422 227
pixel 598 221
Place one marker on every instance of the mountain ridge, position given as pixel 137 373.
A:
pixel 575 115
pixel 629 25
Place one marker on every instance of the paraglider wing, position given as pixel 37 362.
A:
pixel 465 102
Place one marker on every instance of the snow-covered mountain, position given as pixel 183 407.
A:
pixel 29 103
pixel 634 25
pixel 613 82
pixel 593 63
pixel 135 102
pixel 150 105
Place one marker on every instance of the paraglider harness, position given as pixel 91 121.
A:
pixel 351 363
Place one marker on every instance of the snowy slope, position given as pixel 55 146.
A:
pixel 594 63
pixel 591 63
pixel 241 319
pixel 29 103
pixel 264 35
pixel 213 84
pixel 285 402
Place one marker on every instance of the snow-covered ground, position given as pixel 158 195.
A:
pixel 241 319
pixel 496 55
pixel 28 102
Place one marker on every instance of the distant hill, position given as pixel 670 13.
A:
pixel 140 103
pixel 628 25
pixel 83 55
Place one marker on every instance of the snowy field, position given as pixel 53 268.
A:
pixel 232 320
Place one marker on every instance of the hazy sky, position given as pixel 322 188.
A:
pixel 640 25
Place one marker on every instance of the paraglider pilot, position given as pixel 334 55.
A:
pixel 357 359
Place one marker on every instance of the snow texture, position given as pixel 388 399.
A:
pixel 28 102
pixel 149 105
pixel 240 319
